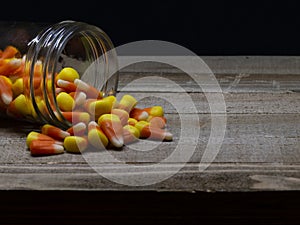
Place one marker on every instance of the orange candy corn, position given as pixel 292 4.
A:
pixel 112 128
pixel 76 117
pixel 54 132
pixel 77 129
pixel 6 92
pixel 68 86
pixel 122 114
pixel 38 147
pixel 138 114
pixel 9 66
pixel 157 121
pixel 33 135
pixel 154 133
pixel 9 52
pixel 90 91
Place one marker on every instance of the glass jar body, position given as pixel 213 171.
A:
pixel 42 51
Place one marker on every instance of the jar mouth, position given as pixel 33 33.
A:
pixel 68 44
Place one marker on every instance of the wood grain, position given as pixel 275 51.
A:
pixel 260 150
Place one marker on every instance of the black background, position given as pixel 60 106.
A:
pixel 205 27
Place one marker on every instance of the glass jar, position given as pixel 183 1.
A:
pixel 44 50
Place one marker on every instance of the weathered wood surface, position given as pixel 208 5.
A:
pixel 260 150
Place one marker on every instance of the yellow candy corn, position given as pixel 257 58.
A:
pixel 65 102
pixel 17 87
pixel 111 125
pixel 127 103
pixel 130 134
pixel 68 74
pixel 96 137
pixel 75 144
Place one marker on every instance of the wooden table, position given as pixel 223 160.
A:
pixel 260 153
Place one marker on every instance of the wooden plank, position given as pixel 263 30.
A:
pixel 233 73
pixel 270 65
pixel 227 83
pixel 248 139
pixel 239 103
pixel 218 177
pixel 260 150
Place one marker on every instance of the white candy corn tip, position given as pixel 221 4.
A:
pixel 93 123
pixel 16 62
pixel 117 142
pixel 81 85
pixel 144 115
pixel 59 143
pixel 58 148
pixel 7 99
pixel 62 83
pixel 64 134
pixel 80 98
pixel 79 126
pixel 168 136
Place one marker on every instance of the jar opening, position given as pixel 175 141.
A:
pixel 85 48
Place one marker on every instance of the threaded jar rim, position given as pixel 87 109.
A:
pixel 47 48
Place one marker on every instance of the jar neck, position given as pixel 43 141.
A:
pixel 84 47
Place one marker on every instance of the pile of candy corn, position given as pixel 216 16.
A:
pixel 97 121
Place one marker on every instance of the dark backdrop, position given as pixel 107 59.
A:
pixel 205 27
pixel 208 28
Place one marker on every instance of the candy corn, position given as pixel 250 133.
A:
pixel 9 52
pixel 100 107
pixel 132 121
pixel 17 87
pixel 54 132
pixel 6 92
pixel 76 117
pixel 68 86
pixel 130 134
pixel 122 114
pixel 112 128
pixel 155 133
pixel 77 129
pixel 127 103
pixel 79 98
pixel 96 137
pixel 139 114
pixel 19 107
pixel 8 66
pixel 154 111
pixel 157 121
pixel 94 119
pixel 75 144
pixel 38 148
pixel 34 135
pixel 68 74
pixel 65 102
pixel 90 91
